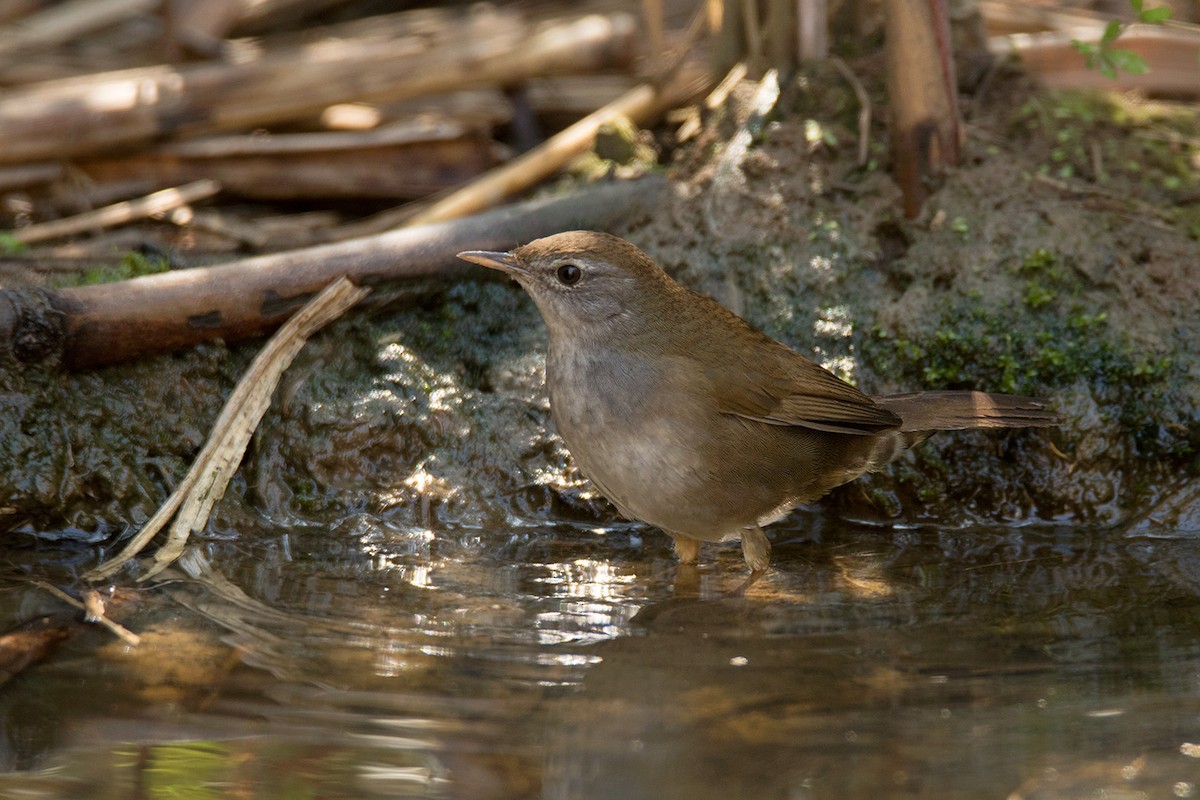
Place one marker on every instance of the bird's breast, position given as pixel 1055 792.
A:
pixel 648 434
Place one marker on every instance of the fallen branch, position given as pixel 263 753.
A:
pixel 73 117
pixel 399 161
pixel 93 612
pixel 209 476
pixel 66 21
pixel 639 104
pixel 864 108
pixel 119 213
pixel 88 326
pixel 16 177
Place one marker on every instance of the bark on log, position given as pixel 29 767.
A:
pixel 90 326
pixel 70 118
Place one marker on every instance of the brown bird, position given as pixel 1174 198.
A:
pixel 687 417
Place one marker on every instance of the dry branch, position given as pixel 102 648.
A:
pixel 638 104
pixel 27 174
pixel 88 326
pixel 73 117
pixel 209 476
pixel 400 161
pixel 119 213
pixel 66 21
pixel 91 614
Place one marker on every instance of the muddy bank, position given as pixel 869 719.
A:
pixel 427 412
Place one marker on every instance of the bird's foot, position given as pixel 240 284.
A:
pixel 756 549
pixel 687 548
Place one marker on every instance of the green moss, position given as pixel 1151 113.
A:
pixel 1036 295
pixel 1040 259
pixel 131 265
pixel 1105 139
pixel 885 501
pixel 980 346
pixel 10 245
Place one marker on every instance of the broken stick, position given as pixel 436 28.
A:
pixel 209 476
pixel 119 213
pixel 87 115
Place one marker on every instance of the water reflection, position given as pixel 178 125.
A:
pixel 377 660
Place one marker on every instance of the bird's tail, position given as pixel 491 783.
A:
pixel 925 412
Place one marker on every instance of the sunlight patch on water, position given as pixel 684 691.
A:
pixel 586 577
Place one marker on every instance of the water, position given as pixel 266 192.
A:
pixel 565 662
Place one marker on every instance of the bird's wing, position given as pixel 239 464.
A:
pixel 786 388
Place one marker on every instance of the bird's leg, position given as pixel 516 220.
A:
pixel 755 548
pixel 687 548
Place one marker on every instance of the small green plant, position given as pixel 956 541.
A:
pixel 1037 295
pixel 10 245
pixel 131 265
pixel 1110 60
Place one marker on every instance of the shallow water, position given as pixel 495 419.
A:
pixel 565 662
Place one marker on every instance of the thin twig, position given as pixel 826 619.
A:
pixel 638 104
pixel 65 22
pixel 729 165
pixel 119 213
pixel 864 107
pixel 1160 216
pixel 206 481
pixel 91 615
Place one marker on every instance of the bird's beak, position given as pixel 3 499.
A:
pixel 505 262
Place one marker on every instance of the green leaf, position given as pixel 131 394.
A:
pixel 1128 61
pixel 1111 31
pixel 1155 16
pixel 1084 48
pixel 1106 66
pixel 1137 5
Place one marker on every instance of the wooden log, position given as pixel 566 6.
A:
pixel 403 161
pixel 89 326
pixel 75 117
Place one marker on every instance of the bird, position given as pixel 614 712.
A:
pixel 690 419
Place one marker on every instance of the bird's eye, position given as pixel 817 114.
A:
pixel 568 274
